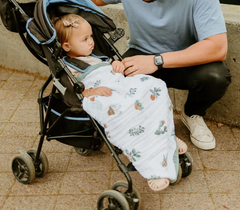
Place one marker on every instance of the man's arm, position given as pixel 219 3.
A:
pixel 99 2
pixel 209 50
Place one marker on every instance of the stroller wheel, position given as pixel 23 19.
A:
pixel 179 177
pixel 42 165
pixel 122 186
pixel 111 199
pixel 98 146
pixel 82 151
pixel 186 162
pixel 23 169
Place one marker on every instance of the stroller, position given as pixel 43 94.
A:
pixel 62 117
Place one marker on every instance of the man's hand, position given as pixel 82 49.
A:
pixel 118 67
pixel 139 64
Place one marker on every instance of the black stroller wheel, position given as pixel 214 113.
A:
pixel 23 169
pixel 122 186
pixel 42 165
pixel 114 200
pixel 98 146
pixel 186 162
pixel 82 151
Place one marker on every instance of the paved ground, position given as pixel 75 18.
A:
pixel 75 182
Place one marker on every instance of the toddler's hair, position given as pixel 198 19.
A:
pixel 65 24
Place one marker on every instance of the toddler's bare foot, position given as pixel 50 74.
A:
pixel 182 147
pixel 158 184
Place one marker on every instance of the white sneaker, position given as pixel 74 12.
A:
pixel 200 134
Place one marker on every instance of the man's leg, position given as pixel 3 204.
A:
pixel 209 84
pixel 206 84
pixel 131 52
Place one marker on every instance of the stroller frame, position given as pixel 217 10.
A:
pixel 34 163
pixel 38 158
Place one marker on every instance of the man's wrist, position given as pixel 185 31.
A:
pixel 158 61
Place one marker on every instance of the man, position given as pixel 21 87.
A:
pixel 183 43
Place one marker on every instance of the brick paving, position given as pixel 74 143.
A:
pixel 75 182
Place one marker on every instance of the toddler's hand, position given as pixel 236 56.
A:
pixel 118 67
pixel 101 91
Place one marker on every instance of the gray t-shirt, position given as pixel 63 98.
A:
pixel 171 25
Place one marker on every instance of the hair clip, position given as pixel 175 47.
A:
pixel 73 23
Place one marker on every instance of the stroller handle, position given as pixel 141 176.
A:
pixel 18 7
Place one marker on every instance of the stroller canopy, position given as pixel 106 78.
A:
pixel 40 28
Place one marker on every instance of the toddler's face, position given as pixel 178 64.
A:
pixel 81 41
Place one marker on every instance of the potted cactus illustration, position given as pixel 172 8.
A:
pixel 164 162
pixel 133 154
pixel 161 128
pixel 155 93
pixel 111 111
pixel 138 105
pixel 116 109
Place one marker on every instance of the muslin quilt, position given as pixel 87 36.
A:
pixel 137 118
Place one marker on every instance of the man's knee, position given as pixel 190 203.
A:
pixel 215 75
